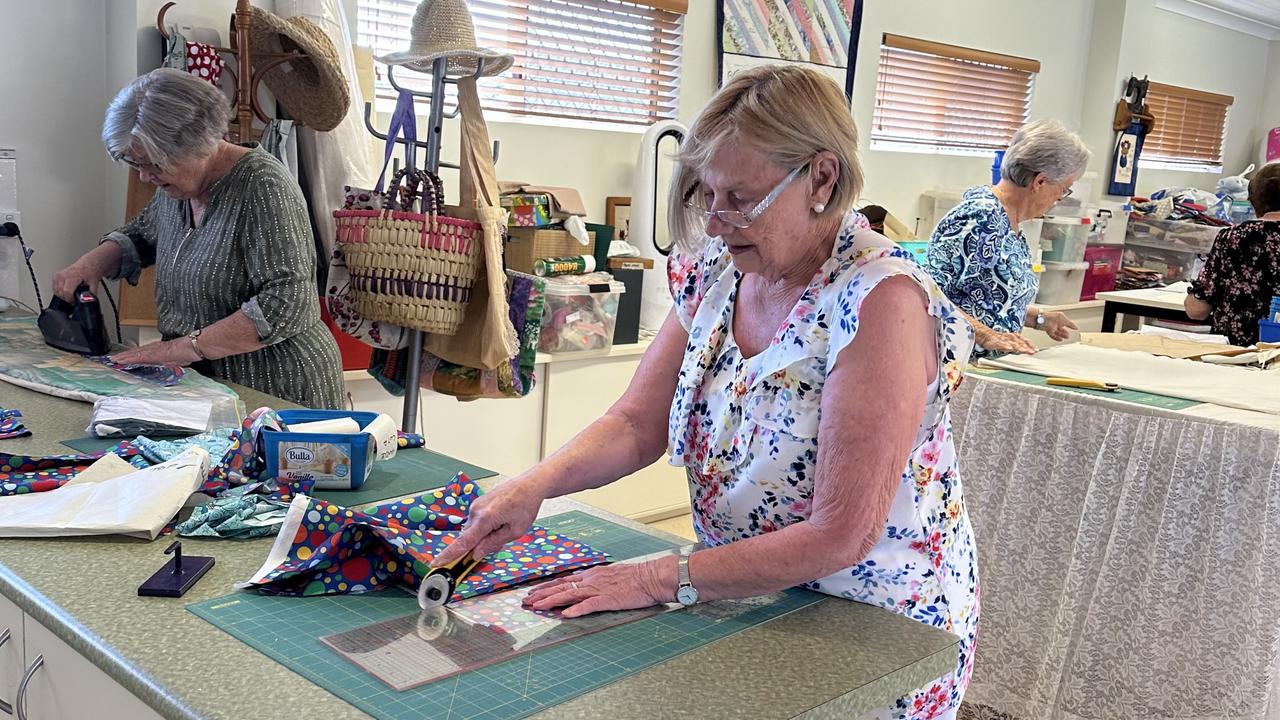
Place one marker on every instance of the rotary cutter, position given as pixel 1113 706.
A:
pixel 438 586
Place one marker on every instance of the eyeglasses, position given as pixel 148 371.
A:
pixel 1066 194
pixel 739 218
pixel 149 168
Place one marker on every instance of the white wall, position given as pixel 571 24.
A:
pixel 1055 33
pixel 52 114
pixel 1178 50
pixel 1269 113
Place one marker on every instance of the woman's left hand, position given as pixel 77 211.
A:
pixel 1058 326
pixel 164 352
pixel 622 586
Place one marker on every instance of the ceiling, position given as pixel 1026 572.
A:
pixel 1260 18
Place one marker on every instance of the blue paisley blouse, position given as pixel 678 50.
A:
pixel 746 431
pixel 981 263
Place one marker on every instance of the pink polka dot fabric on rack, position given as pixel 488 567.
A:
pixel 334 550
pixel 204 62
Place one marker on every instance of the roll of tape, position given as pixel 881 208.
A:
pixel 383 430
pixel 336 426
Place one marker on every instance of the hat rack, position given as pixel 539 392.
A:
pixel 247 78
pixel 435 122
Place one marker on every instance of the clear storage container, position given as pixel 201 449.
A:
pixel 579 313
pixel 1064 239
pixel 1060 283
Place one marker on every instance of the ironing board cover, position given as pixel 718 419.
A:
pixel 325 549
pixel 27 361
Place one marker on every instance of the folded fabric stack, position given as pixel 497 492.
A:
pixel 11 424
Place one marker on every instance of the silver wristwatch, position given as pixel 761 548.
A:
pixel 1039 320
pixel 195 344
pixel 686 593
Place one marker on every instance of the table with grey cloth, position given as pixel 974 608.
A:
pixel 1129 558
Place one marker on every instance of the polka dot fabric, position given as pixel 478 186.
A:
pixel 22 474
pixel 410 440
pixel 204 62
pixel 334 550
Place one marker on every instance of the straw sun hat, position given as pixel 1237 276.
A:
pixel 443 29
pixel 313 90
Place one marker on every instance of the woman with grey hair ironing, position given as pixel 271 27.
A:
pixel 229 237
pixel 980 258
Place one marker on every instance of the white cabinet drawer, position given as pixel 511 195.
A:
pixel 66 686
pixel 10 653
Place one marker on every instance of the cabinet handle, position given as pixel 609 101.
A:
pixel 5 707
pixel 20 702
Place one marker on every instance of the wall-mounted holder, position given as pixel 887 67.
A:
pixel 177 576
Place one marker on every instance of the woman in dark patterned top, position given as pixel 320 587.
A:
pixel 229 237
pixel 1243 270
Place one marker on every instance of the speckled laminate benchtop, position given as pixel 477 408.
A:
pixel 832 659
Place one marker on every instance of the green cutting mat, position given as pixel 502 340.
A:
pixel 411 471
pixel 287 629
pixel 1136 397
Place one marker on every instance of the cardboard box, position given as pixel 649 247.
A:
pixel 527 244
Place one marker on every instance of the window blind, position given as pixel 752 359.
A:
pixel 934 95
pixel 605 60
pixel 1190 125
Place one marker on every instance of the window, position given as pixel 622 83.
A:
pixel 614 61
pixel 944 98
pixel 1190 125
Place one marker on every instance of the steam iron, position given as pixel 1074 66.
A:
pixel 77 328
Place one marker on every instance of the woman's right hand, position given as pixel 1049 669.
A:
pixel 68 279
pixel 88 270
pixel 495 519
pixel 1005 342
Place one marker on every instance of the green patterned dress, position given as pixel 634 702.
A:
pixel 253 253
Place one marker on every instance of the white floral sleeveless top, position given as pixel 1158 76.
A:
pixel 746 430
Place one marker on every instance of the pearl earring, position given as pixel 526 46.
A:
pixel 819 207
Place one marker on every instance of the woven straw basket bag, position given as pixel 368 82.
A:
pixel 415 269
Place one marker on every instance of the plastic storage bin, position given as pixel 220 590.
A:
pixel 1268 332
pixel 580 313
pixel 336 462
pixel 1064 239
pixel 1174 249
pixel 1104 266
pixel 1060 283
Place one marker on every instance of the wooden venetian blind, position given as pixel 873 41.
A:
pixel 948 97
pixel 605 60
pixel 1190 125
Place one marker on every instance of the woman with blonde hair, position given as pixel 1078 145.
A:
pixel 808 362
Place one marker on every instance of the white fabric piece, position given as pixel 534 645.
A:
pixel 103 501
pixel 1220 385
pixel 339 157
pixel 1183 335
pixel 1127 558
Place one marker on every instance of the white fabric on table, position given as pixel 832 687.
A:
pixel 1127 556
pixel 1217 384
pixel 109 497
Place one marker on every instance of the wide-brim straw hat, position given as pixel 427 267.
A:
pixel 443 29
pixel 313 90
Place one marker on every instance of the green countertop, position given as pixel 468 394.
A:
pixel 832 659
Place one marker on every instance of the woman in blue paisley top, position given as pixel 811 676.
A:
pixel 802 381
pixel 980 258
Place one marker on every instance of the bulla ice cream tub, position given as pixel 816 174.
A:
pixel 335 461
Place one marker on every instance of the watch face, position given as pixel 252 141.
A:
pixel 687 595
